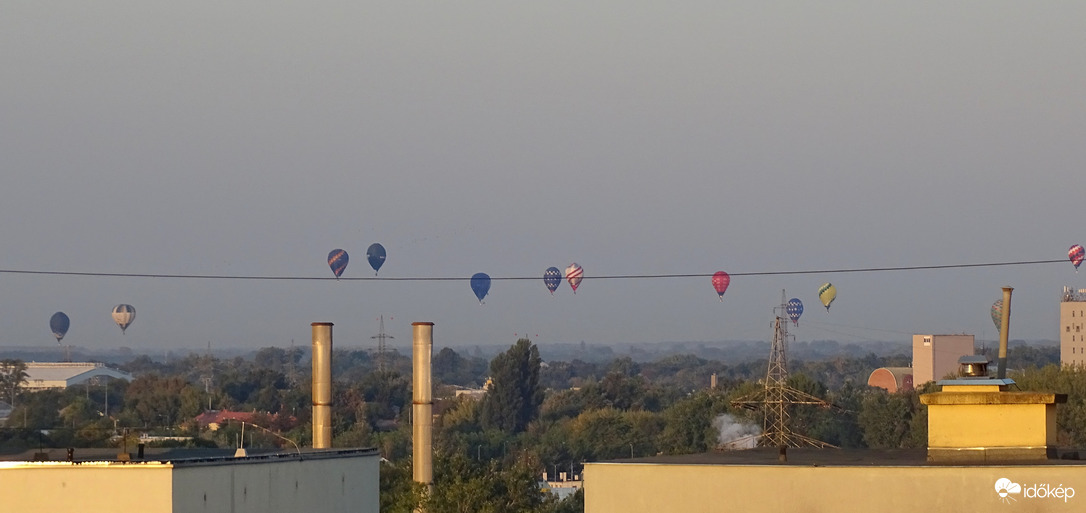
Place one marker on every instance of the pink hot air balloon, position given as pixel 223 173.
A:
pixel 1076 254
pixel 573 275
pixel 720 283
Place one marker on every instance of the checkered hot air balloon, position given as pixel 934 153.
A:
pixel 337 260
pixel 794 310
pixel 997 315
pixel 552 278
pixel 574 273
pixel 1076 254
pixel 720 283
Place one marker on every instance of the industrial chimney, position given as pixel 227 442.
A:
pixel 322 385
pixel 422 403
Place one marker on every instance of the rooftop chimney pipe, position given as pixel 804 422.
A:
pixel 1004 324
pixel 422 403
pixel 322 385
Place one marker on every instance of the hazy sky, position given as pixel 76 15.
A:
pixel 251 138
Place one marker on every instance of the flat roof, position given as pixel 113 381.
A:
pixel 178 457
pixel 811 457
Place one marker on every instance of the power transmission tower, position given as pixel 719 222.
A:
pixel 381 336
pixel 777 398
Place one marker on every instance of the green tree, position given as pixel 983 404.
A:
pixel 12 376
pixel 515 395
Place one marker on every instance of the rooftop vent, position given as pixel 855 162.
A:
pixel 973 366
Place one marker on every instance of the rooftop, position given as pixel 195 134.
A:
pixel 768 456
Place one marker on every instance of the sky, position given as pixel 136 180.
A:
pixel 635 138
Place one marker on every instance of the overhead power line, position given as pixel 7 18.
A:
pixel 510 278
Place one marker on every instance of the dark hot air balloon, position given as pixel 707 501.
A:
pixel 794 310
pixel 59 323
pixel 376 255
pixel 552 278
pixel 123 315
pixel 337 260
pixel 480 285
pixel 720 283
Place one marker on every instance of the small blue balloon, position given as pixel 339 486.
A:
pixel 794 309
pixel 376 255
pixel 552 278
pixel 480 285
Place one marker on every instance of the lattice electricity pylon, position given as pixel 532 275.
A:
pixel 381 348
pixel 776 398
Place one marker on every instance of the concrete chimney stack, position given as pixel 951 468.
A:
pixel 422 402
pixel 322 385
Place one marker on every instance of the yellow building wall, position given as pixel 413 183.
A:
pixel 651 488
pixel 988 425
pixel 86 488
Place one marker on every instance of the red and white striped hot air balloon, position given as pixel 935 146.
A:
pixel 574 273
pixel 1076 254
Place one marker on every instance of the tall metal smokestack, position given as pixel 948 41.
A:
pixel 1004 324
pixel 322 385
pixel 422 403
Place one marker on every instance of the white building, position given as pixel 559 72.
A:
pixel 45 375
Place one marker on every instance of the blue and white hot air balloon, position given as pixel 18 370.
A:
pixel 794 310
pixel 376 255
pixel 59 323
pixel 552 278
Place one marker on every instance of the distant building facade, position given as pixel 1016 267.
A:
pixel 892 379
pixel 1072 331
pixel 46 375
pixel 936 356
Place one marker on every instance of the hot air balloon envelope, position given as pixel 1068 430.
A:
pixel 1076 254
pixel 376 255
pixel 123 315
pixel 480 285
pixel 574 273
pixel 826 294
pixel 59 323
pixel 337 260
pixel 720 283
pixel 794 310
pixel 552 278
pixel 997 315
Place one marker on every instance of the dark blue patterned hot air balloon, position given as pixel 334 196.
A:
pixel 337 260
pixel 794 309
pixel 552 278
pixel 59 323
pixel 376 255
pixel 480 285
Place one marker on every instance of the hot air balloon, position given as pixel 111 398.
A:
pixel 794 309
pixel 337 260
pixel 59 323
pixel 826 294
pixel 123 315
pixel 997 315
pixel 480 285
pixel 574 273
pixel 720 283
pixel 552 278
pixel 1076 254
pixel 376 255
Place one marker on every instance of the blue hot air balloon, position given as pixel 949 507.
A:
pixel 123 315
pixel 337 260
pixel 552 278
pixel 794 309
pixel 59 323
pixel 480 285
pixel 376 255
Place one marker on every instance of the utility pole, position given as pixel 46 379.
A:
pixel 381 336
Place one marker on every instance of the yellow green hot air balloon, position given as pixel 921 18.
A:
pixel 827 293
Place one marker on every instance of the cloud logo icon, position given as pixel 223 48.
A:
pixel 1005 487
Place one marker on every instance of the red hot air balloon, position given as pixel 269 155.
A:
pixel 574 273
pixel 720 283
pixel 1076 254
